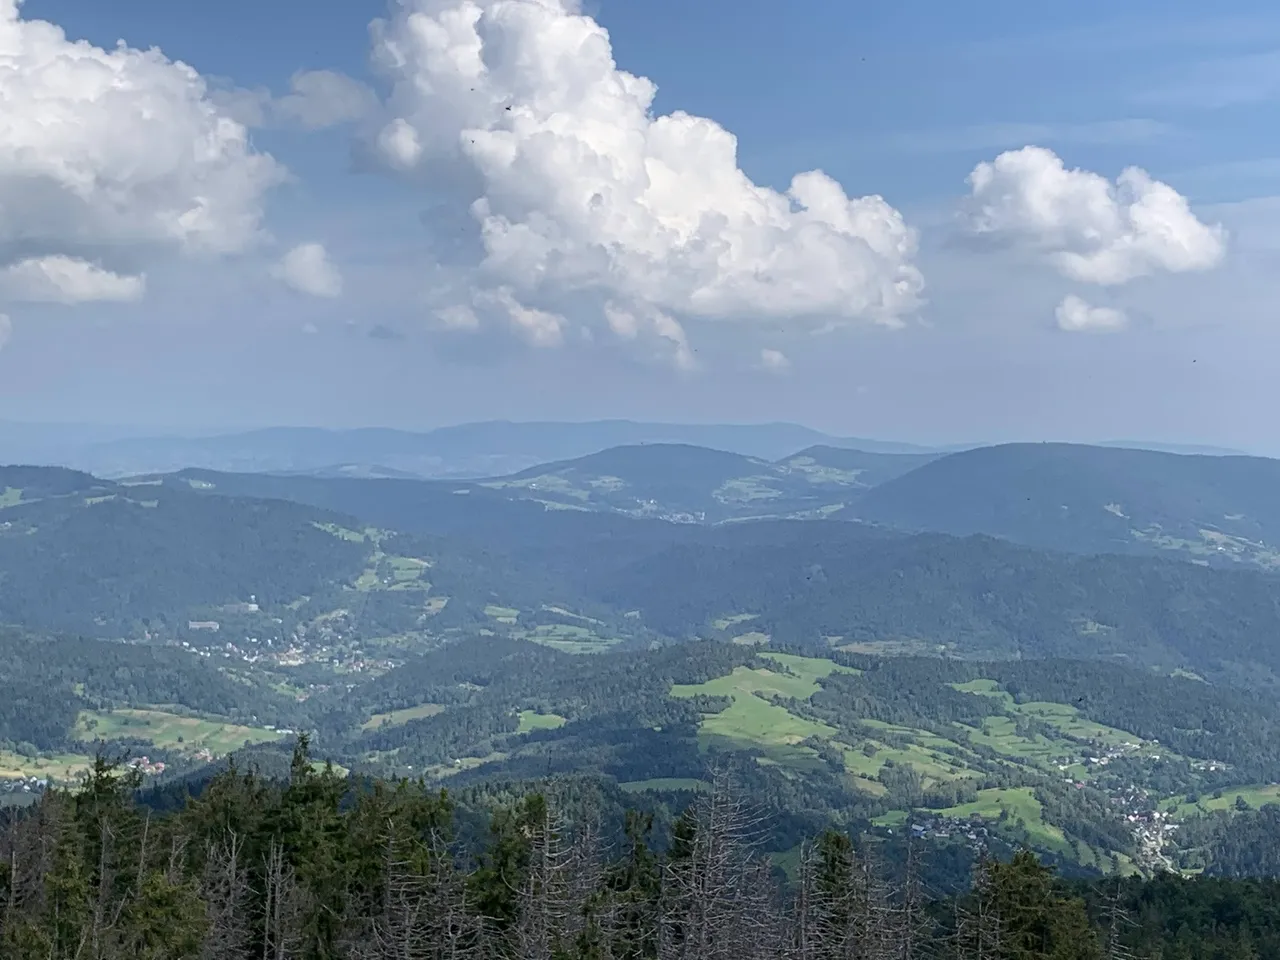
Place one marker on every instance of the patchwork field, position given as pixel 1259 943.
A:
pixel 59 768
pixel 530 721
pixel 1044 739
pixel 505 615
pixel 1018 805
pixel 568 638
pixel 933 757
pixel 394 718
pixel 1256 796
pixel 1067 750
pixel 753 720
pixel 170 730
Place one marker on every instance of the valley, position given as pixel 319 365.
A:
pixel 644 616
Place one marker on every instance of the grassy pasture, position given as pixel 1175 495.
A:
pixel 1255 795
pixel 170 731
pixel 395 718
pixel 664 784
pixel 60 768
pixel 530 721
pixel 753 721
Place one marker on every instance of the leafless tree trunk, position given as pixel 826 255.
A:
pixel 719 903
pixel 978 928
pixel 910 933
pixel 546 922
pixel 283 905
pixel 425 914
pixel 1118 920
pixel 106 880
pixel 225 891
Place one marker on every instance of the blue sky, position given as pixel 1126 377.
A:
pixel 1175 342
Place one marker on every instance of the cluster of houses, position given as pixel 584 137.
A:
pixel 973 829
pixel 146 766
pixel 26 785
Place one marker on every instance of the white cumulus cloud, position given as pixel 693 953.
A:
pixel 307 269
pixel 110 157
pixel 661 330
pixel 60 279
pixel 324 98
pixel 775 360
pixel 1091 229
pixel 542 328
pixel 1076 315
pixel 578 186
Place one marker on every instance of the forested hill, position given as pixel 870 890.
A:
pixel 107 558
pixel 677 482
pixel 688 483
pixel 132 559
pixel 1216 509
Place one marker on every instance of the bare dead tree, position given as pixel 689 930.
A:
pixel 226 892
pixel 718 902
pixel 106 875
pixel 806 941
pixel 1118 920
pixel 546 914
pixel 27 846
pixel 911 931
pixel 425 913
pixel 979 928
pixel 590 920
pixel 282 909
pixel 176 868
pixel 874 913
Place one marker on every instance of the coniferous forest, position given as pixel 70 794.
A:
pixel 316 866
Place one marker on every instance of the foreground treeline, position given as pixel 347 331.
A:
pixel 316 869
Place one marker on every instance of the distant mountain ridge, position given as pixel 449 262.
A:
pixel 1210 509
pixel 471 450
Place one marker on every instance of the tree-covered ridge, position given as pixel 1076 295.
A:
pixel 1070 750
pixel 972 597
pixel 319 867
pixel 696 484
pixel 1088 499
pixel 143 559
pixel 109 560
pixel 48 681
pixel 140 560
pixel 1060 755
pixel 802 581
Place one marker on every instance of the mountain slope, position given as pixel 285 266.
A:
pixel 97 557
pixel 801 581
pixel 673 481
pixel 1216 509
pixel 670 481
pixel 829 582
pixel 689 483
pixel 853 466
